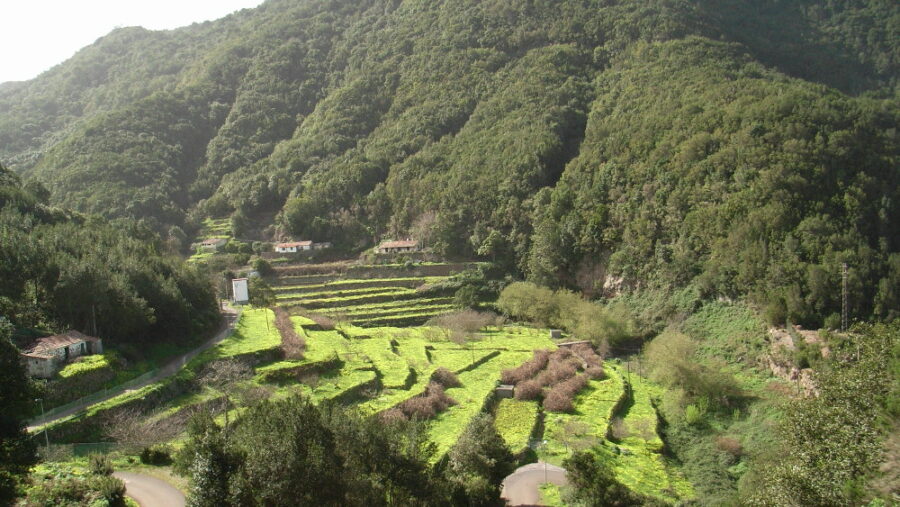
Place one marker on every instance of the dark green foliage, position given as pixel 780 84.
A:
pixel 832 444
pixel 112 280
pixel 156 455
pixel 66 489
pixel 594 484
pixel 17 450
pixel 261 293
pixel 739 147
pixel 291 452
pixel 99 464
pixel 479 461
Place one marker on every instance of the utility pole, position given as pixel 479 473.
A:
pixel 46 438
pixel 844 306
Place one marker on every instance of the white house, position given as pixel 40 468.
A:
pixel 240 291
pixel 294 247
pixel 390 247
pixel 44 356
pixel 211 244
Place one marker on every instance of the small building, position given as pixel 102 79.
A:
pixel 294 246
pixel 322 246
pixel 44 356
pixel 239 291
pixel 392 247
pixel 211 244
pixel 505 391
pixel 555 334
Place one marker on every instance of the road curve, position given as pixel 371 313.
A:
pixel 149 491
pixel 230 317
pixel 521 487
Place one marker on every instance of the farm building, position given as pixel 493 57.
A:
pixel 211 244
pixel 390 247
pixel 240 291
pixel 294 246
pixel 44 356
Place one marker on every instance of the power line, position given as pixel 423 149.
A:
pixel 844 306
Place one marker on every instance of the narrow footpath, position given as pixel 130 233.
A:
pixel 229 315
pixel 149 491
pixel 522 486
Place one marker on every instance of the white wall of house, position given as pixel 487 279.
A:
pixel 240 290
pixel 42 368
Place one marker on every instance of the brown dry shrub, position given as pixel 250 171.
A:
pixel 558 371
pixel 528 390
pixel 559 398
pixel 445 377
pixel 556 401
pixel 730 445
pixel 618 429
pixel 587 354
pixel 561 353
pixel 324 322
pixel 392 415
pixel 595 372
pixel 291 343
pixel 433 402
pixel 526 370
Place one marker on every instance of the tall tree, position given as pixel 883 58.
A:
pixel 17 451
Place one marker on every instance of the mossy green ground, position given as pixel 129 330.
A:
pixel 403 360
pixel 636 459
pixel 515 420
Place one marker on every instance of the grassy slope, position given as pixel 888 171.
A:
pixel 515 420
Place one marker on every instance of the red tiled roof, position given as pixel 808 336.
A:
pixel 399 244
pixel 43 347
pixel 294 244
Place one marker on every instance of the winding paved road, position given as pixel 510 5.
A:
pixel 521 487
pixel 230 318
pixel 149 491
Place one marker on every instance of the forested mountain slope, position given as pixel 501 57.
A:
pixel 749 147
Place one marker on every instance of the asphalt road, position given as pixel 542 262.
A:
pixel 230 318
pixel 521 487
pixel 149 491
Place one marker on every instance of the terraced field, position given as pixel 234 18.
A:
pixel 372 302
pixel 377 368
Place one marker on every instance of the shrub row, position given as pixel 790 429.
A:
pixel 587 354
pixel 561 396
pixel 433 402
pixel 526 370
pixel 445 377
pixel 291 343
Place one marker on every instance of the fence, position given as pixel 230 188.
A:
pixel 90 399
pixel 75 406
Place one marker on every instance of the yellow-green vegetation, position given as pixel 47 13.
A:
pixel 382 367
pixel 477 384
pixel 254 332
pixel 636 458
pixel 640 465
pixel 551 495
pixel 87 364
pixel 588 424
pixel 394 369
pixel 322 345
pixel 515 420
pixel 215 228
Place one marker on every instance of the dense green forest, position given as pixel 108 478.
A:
pixel 117 280
pixel 743 148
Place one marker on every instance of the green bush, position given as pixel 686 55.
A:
pixel 99 464
pixel 159 455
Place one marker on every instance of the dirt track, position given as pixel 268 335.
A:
pixel 149 491
pixel 521 487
